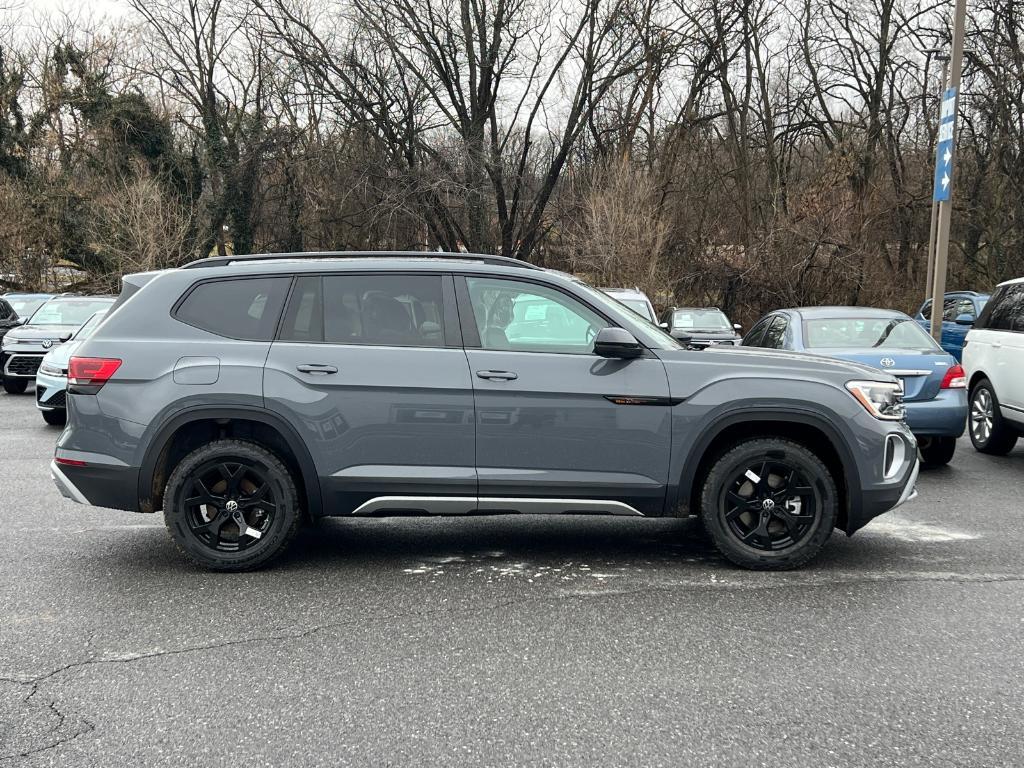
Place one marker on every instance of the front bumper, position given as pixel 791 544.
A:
pixel 17 364
pixel 887 494
pixel 942 416
pixel 51 392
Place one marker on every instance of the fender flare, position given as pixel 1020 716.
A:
pixel 163 435
pixel 804 416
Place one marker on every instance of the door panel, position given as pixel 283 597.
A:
pixel 564 423
pixel 379 420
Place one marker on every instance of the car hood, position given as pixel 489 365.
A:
pixel 756 361
pixel 39 332
pixel 697 333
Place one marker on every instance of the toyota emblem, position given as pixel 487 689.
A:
pixel 888 362
pixel 47 343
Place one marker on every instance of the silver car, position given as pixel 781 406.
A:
pixel 52 376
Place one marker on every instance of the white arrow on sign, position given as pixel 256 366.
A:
pixel 945 180
pixel 947 157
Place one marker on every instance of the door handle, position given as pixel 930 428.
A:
pixel 497 375
pixel 315 368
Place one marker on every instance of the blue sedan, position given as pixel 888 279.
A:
pixel 935 388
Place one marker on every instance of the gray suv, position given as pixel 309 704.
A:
pixel 245 395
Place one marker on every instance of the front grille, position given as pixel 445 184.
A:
pixel 23 365
pixel 57 399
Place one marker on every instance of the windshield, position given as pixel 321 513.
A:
pixel 25 306
pixel 68 311
pixel 701 319
pixel 646 331
pixel 639 306
pixel 86 330
pixel 867 333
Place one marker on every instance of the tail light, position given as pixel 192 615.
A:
pixel 88 374
pixel 955 378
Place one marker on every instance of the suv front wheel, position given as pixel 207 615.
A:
pixel 769 504
pixel 231 505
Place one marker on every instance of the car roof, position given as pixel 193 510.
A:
pixel 24 295
pixel 697 309
pixel 348 258
pixel 1015 281
pixel 625 291
pixel 822 313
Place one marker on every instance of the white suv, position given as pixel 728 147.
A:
pixel 994 362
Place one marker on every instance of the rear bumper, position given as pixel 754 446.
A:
pixel 943 416
pixel 100 485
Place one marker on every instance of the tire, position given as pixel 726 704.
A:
pixel 55 418
pixel 263 491
pixel 15 386
pixel 937 451
pixel 988 429
pixel 736 512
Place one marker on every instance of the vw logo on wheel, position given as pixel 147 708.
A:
pixel 767 505
pixel 47 343
pixel 888 362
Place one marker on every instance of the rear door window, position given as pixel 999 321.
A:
pixel 753 339
pixel 775 334
pixel 239 308
pixel 381 310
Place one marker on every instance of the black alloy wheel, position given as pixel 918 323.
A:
pixel 229 505
pixel 769 503
pixel 232 505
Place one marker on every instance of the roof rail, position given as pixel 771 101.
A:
pixel 221 261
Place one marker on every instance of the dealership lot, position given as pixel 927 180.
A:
pixel 515 641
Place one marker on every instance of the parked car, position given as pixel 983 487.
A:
pixel 700 327
pixel 994 361
pixel 636 300
pixel 53 323
pixel 52 376
pixel 8 317
pixel 24 304
pixel 959 311
pixel 244 394
pixel 933 381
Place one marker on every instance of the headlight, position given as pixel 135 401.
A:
pixel 882 399
pixel 50 370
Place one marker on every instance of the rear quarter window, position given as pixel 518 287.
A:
pixel 1004 311
pixel 237 308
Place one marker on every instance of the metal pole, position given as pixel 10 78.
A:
pixel 946 206
pixel 929 279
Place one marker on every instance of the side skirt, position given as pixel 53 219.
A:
pixel 468 505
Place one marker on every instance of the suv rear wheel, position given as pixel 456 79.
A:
pixel 989 431
pixel 769 504
pixel 231 505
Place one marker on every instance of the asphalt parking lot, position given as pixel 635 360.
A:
pixel 511 641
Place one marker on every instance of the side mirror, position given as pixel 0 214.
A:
pixel 965 319
pixel 617 342
pixel 66 336
pixel 737 327
pixel 663 326
pixel 21 321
